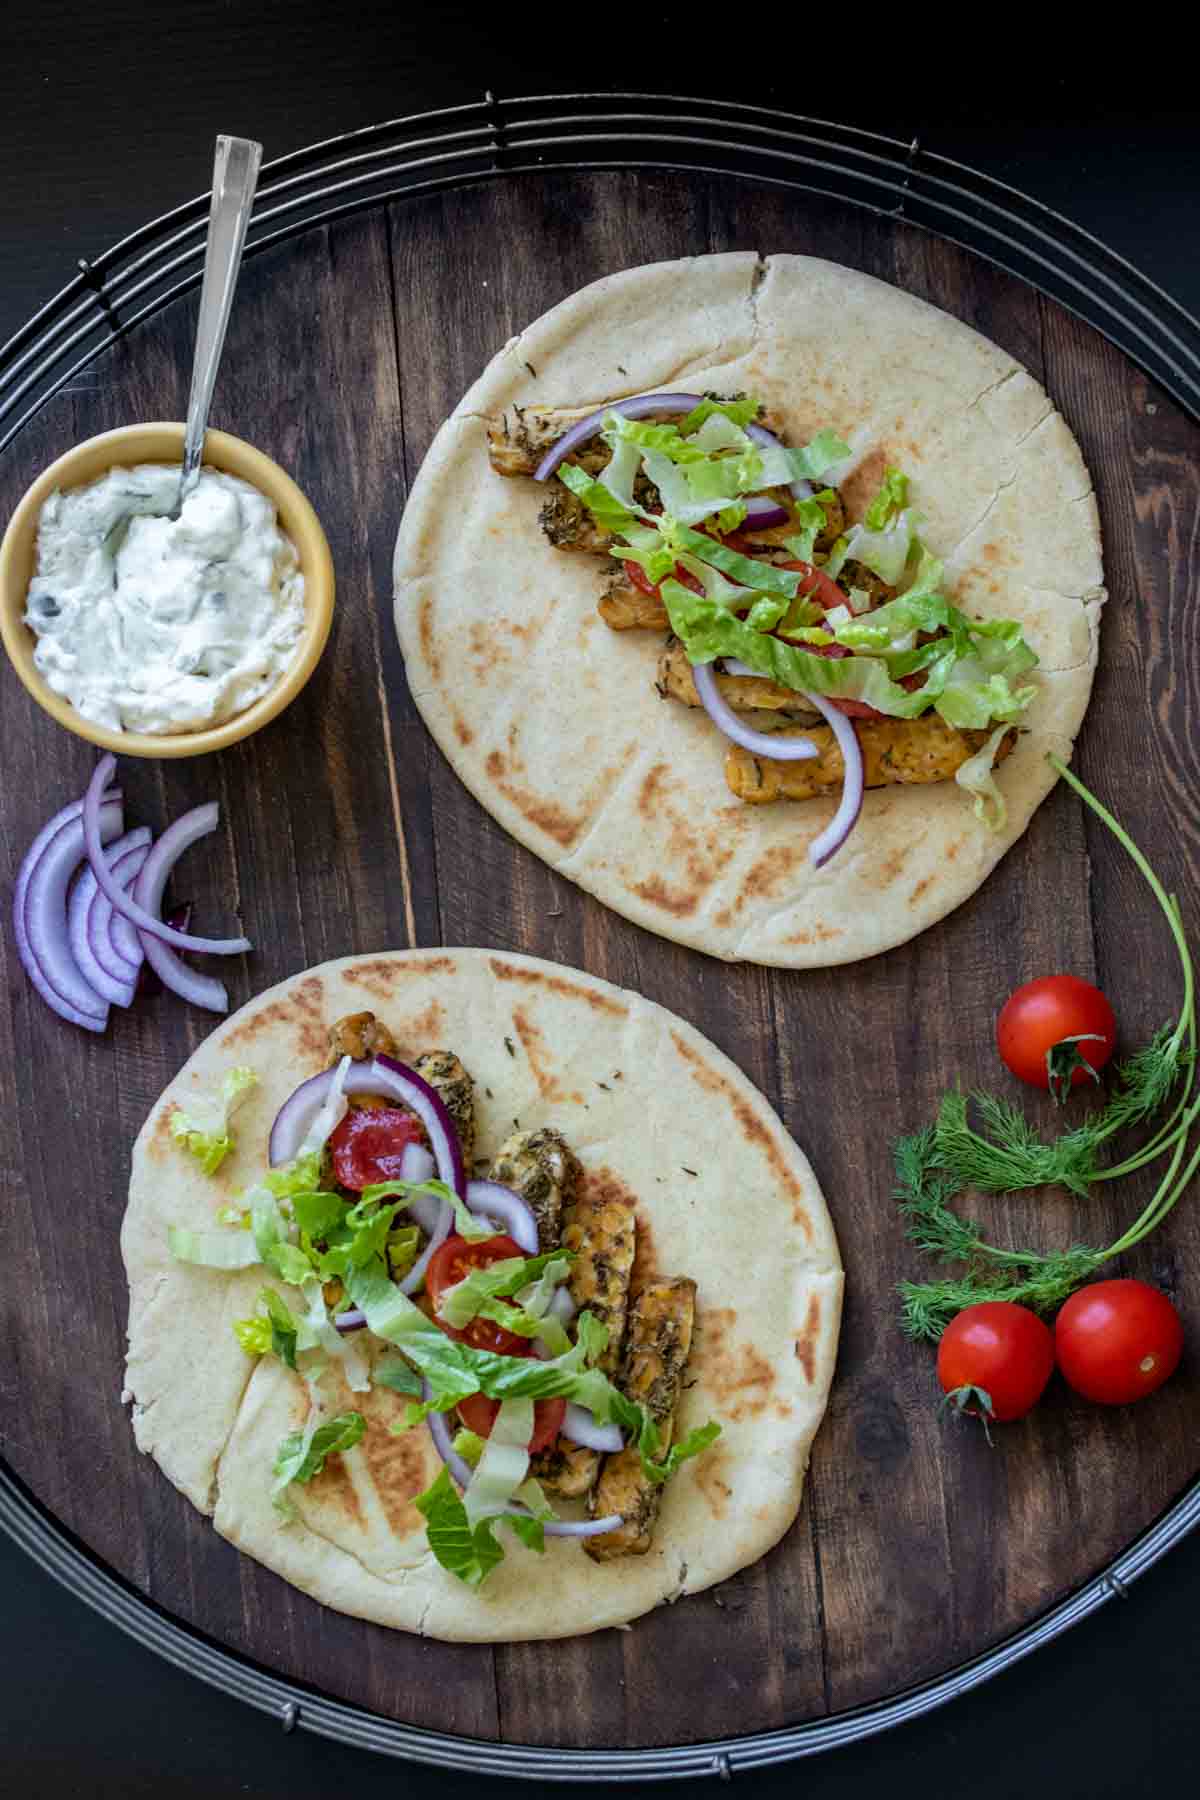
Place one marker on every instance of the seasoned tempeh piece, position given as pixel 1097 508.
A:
pixel 601 1229
pixel 624 607
pixel 446 1075
pixel 544 1170
pixel 895 751
pixel 360 1035
pixel 746 693
pixel 656 1353
pixel 569 525
pixel 518 439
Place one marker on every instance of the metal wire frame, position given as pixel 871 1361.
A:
pixel 489 140
pixel 295 1707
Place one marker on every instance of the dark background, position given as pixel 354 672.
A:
pixel 108 120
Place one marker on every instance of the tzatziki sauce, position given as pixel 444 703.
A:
pixel 152 624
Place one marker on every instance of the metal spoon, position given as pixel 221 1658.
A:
pixel 235 176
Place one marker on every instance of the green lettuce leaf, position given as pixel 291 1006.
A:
pixel 782 466
pixel 274 1330
pixel 206 1134
pixel 504 1464
pixel 605 508
pixel 470 1552
pixel 459 1304
pixel 977 776
pixel 226 1249
pixel 303 1454
pixel 694 1444
pixel 399 1376
pixel 891 499
pixel 275 1249
pixel 742 410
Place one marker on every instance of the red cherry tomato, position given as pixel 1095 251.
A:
pixel 1056 1032
pixel 452 1262
pixel 369 1145
pixel 478 1414
pixel 1117 1340
pixel 995 1359
pixel 642 581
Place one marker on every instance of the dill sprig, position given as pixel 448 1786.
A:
pixel 1001 1153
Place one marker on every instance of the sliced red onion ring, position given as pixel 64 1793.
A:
pixel 172 971
pixel 417 1164
pixel 392 1081
pixel 461 1472
pixel 506 1210
pixel 108 944
pixel 437 1238
pixel 846 816
pixel 639 408
pixel 354 1320
pixel 801 490
pixel 40 913
pixel 579 1425
pixel 127 907
pixel 763 512
pixel 760 743
pixel 94 958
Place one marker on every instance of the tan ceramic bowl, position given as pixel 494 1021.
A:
pixel 164 444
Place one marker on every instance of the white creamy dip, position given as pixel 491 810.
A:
pixel 150 624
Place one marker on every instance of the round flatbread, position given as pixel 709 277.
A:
pixel 652 1110
pixel 553 720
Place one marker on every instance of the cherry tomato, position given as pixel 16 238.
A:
pixel 1117 1340
pixel 369 1145
pixel 1056 1032
pixel 478 1414
pixel 451 1263
pixel 995 1359
pixel 642 581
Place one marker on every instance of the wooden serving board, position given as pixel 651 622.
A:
pixel 344 831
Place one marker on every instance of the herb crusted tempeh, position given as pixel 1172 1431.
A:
pixel 743 692
pixel 544 1170
pixel 895 752
pixel 652 1368
pixel 360 1035
pixel 456 1090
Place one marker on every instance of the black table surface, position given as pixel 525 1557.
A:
pixel 108 121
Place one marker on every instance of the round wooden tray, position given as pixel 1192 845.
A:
pixel 919 1550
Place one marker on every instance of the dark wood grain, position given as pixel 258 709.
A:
pixel 346 831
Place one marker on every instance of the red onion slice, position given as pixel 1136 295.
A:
pixel 639 408
pixel 416 1163
pixel 580 1426
pixel 846 816
pixel 354 1320
pixel 40 913
pixel 104 929
pixel 763 512
pixel 95 958
pixel 127 907
pixel 389 1079
pixel 506 1210
pixel 760 743
pixel 461 1472
pixel 437 1238
pixel 172 971
pixel 562 1306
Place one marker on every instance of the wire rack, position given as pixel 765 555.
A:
pixel 489 140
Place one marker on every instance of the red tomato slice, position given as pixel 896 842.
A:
pixel 817 585
pixel 369 1145
pixel 642 581
pixel 478 1414
pixel 453 1262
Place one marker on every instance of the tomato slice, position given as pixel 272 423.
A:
pixel 452 1262
pixel 478 1414
pixel 817 585
pixel 369 1145
pixel 643 583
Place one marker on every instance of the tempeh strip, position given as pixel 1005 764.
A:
pixel 652 1369
pixel 895 751
pixel 544 1170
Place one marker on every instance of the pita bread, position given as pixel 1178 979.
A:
pixel 553 721
pixel 638 1095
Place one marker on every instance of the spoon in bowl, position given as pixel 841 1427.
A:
pixel 235 177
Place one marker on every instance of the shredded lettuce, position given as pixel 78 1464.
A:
pixel 811 518
pixel 212 1249
pixel 694 1444
pixel 741 410
pixel 539 1275
pixel 891 499
pixel 504 1464
pixel 274 1330
pixel 782 466
pixel 206 1134
pixel 470 1552
pixel 609 512
pixel 303 1454
pixel 977 776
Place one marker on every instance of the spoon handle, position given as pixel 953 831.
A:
pixel 235 176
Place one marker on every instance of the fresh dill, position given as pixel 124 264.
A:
pixel 984 1143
